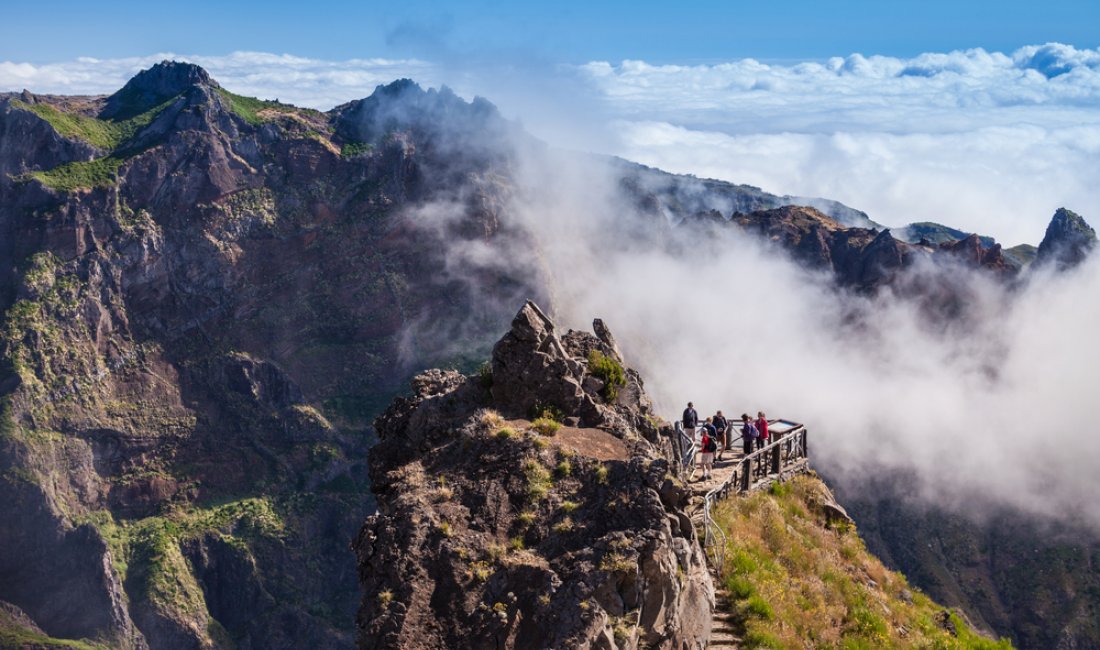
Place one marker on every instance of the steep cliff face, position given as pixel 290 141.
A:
pixel 494 531
pixel 206 301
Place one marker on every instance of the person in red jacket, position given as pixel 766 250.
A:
pixel 762 427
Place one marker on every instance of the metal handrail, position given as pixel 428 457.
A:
pixel 688 446
pixel 794 439
pixel 685 446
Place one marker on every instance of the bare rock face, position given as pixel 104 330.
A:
pixel 973 252
pixel 1068 240
pixel 491 535
pixel 533 368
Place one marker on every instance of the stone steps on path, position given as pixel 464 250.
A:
pixel 723 630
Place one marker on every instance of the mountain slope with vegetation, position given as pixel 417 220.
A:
pixel 797 578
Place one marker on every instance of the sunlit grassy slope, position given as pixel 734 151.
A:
pixel 795 582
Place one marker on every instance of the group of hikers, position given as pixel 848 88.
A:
pixel 716 435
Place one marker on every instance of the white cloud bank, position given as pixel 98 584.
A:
pixel 979 140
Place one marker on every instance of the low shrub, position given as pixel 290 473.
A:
pixel 610 371
pixel 546 426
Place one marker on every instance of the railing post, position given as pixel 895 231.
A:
pixel 746 474
pixel 775 459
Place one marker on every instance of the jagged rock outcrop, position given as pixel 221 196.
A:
pixel 1068 240
pixel 975 252
pixel 492 535
pixel 865 259
pixel 860 258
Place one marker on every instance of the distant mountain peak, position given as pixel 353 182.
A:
pixel 403 105
pixel 1068 240
pixel 154 86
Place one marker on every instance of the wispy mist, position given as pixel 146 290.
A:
pixel 992 407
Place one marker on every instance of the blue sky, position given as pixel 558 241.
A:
pixel 563 32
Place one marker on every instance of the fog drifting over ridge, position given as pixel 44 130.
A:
pixel 983 141
pixel 992 409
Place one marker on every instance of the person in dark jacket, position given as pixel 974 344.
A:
pixel 749 434
pixel 721 426
pixel 691 419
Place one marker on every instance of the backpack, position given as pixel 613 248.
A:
pixel 749 431
pixel 710 445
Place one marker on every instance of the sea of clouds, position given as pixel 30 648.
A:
pixel 984 141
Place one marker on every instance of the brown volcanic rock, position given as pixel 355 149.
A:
pixel 860 258
pixel 490 539
pixel 533 367
pixel 971 251
pixel 863 258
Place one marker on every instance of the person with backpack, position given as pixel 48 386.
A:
pixel 707 447
pixel 762 428
pixel 690 419
pixel 749 434
pixel 721 426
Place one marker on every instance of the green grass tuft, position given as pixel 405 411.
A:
pixel 546 426
pixel 564 468
pixel 353 149
pixel 610 371
pixel 539 480
pixel 506 433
